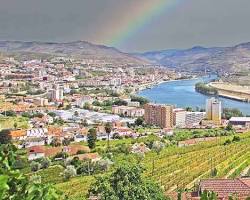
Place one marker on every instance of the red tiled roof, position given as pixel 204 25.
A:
pixel 226 187
pixel 36 149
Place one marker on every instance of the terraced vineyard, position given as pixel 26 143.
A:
pixel 181 167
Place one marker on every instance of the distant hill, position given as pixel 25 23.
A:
pixel 77 49
pixel 222 59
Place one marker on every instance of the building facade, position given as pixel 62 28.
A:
pixel 213 110
pixel 159 115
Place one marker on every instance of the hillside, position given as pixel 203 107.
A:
pixel 77 49
pixel 220 59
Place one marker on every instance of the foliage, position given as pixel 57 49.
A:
pixel 5 136
pixel 10 113
pixel 139 121
pixel 142 100
pixel 120 102
pixel 66 142
pixel 91 138
pixel 55 142
pixel 69 172
pixel 231 112
pixel 35 166
pixel 45 162
pixel 158 146
pixel 126 183
pixel 207 195
pixel 14 185
pixel 108 129
pixel 205 89
pixel 52 114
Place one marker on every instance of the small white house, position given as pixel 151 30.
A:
pixel 36 152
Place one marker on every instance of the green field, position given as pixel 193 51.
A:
pixel 178 166
pixel 8 122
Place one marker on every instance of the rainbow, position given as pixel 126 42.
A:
pixel 136 18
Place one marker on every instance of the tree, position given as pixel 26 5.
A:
pixel 91 138
pixel 15 125
pixel 52 114
pixel 5 136
pixel 139 121
pixel 76 114
pixel 69 172
pixel 142 100
pixel 126 183
pixel 14 185
pixel 66 142
pixel 35 166
pixel 207 195
pixel 108 129
pixel 10 113
pixel 87 106
pixel 55 142
pixel 157 146
pixel 229 127
pixel 45 162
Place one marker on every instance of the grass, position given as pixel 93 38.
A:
pixel 53 174
pixel 8 122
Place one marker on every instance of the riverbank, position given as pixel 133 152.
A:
pixel 159 82
pixel 182 94
pixel 230 91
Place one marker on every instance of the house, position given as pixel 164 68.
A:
pixel 43 151
pixel 18 134
pixel 80 138
pixel 33 141
pixel 36 152
pixel 223 188
pixel 226 187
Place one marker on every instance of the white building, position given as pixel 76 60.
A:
pixel 179 117
pixel 194 118
pixel 128 111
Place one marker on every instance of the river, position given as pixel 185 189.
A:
pixel 181 93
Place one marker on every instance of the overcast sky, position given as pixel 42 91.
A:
pixel 190 23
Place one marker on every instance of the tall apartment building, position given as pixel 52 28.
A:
pixel 159 115
pixel 213 110
pixel 179 117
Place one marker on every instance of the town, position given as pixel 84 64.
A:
pixel 76 118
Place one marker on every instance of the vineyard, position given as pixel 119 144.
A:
pixel 181 167
pixel 184 167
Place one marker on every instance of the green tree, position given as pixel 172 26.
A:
pixel 14 185
pixel 142 100
pixel 5 136
pixel 207 195
pixel 126 183
pixel 229 127
pixel 108 129
pixel 15 125
pixel 139 121
pixel 91 138
pixel 52 114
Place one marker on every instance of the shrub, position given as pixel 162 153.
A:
pixel 45 163
pixel 69 172
pixel 35 166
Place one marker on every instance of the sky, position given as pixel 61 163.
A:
pixel 129 25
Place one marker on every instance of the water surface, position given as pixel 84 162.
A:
pixel 182 94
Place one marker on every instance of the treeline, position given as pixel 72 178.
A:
pixel 204 89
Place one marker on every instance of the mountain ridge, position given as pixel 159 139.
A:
pixel 76 49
